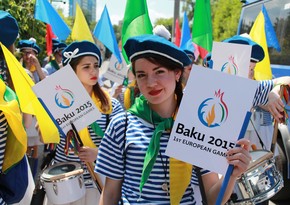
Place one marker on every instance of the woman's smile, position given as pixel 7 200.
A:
pixel 155 92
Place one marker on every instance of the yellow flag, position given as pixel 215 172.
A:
pixel 29 103
pixel 16 143
pixel 81 30
pixel 263 69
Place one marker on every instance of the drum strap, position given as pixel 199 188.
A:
pixel 201 187
pixel 260 140
pixel 124 152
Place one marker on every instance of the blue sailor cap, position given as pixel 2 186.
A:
pixel 207 61
pixel 189 49
pixel 57 45
pixel 9 28
pixel 257 54
pixel 29 44
pixel 81 48
pixel 153 45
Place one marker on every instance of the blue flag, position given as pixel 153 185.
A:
pixel 185 33
pixel 104 32
pixel 271 37
pixel 47 14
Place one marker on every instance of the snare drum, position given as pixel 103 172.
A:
pixel 260 182
pixel 63 182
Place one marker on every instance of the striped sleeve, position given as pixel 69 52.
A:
pixel 117 107
pixel 262 92
pixel 3 137
pixel 110 158
pixel 2 202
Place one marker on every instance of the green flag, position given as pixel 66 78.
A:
pixel 202 26
pixel 136 21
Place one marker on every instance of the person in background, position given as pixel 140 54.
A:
pixel 125 93
pixel 55 60
pixel 29 51
pixel 260 129
pixel 139 137
pixel 189 49
pixel 85 59
pixel 207 61
pixel 267 93
pixel 11 129
pixel 267 89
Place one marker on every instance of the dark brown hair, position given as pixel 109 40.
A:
pixel 98 91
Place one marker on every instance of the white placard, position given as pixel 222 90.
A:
pixel 231 58
pixel 210 118
pixel 67 100
pixel 116 72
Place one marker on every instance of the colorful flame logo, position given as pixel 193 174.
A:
pixel 64 98
pixel 118 66
pixel 230 67
pixel 212 112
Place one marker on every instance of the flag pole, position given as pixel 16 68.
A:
pixel 231 167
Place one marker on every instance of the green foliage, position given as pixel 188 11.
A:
pixel 226 14
pixel 23 12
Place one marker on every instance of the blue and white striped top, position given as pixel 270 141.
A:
pixel 133 145
pixel 261 95
pixel 3 137
pixel 71 157
pixel 112 163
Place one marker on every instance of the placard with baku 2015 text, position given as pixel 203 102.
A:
pixel 67 100
pixel 210 117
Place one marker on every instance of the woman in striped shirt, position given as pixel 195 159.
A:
pixel 85 59
pixel 132 153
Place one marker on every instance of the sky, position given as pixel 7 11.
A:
pixel 116 8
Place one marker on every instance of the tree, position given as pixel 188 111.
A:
pixel 23 12
pixel 188 6
pixel 226 16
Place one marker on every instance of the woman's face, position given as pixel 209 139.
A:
pixel 155 82
pixel 87 71
pixel 26 55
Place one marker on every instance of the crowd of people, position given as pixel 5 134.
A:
pixel 126 146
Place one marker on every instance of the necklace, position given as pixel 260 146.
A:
pixel 165 185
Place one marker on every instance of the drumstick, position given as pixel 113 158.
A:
pixel 275 133
pixel 89 165
pixel 274 139
pixel 95 176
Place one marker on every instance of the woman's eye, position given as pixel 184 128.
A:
pixel 140 75
pixel 160 71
